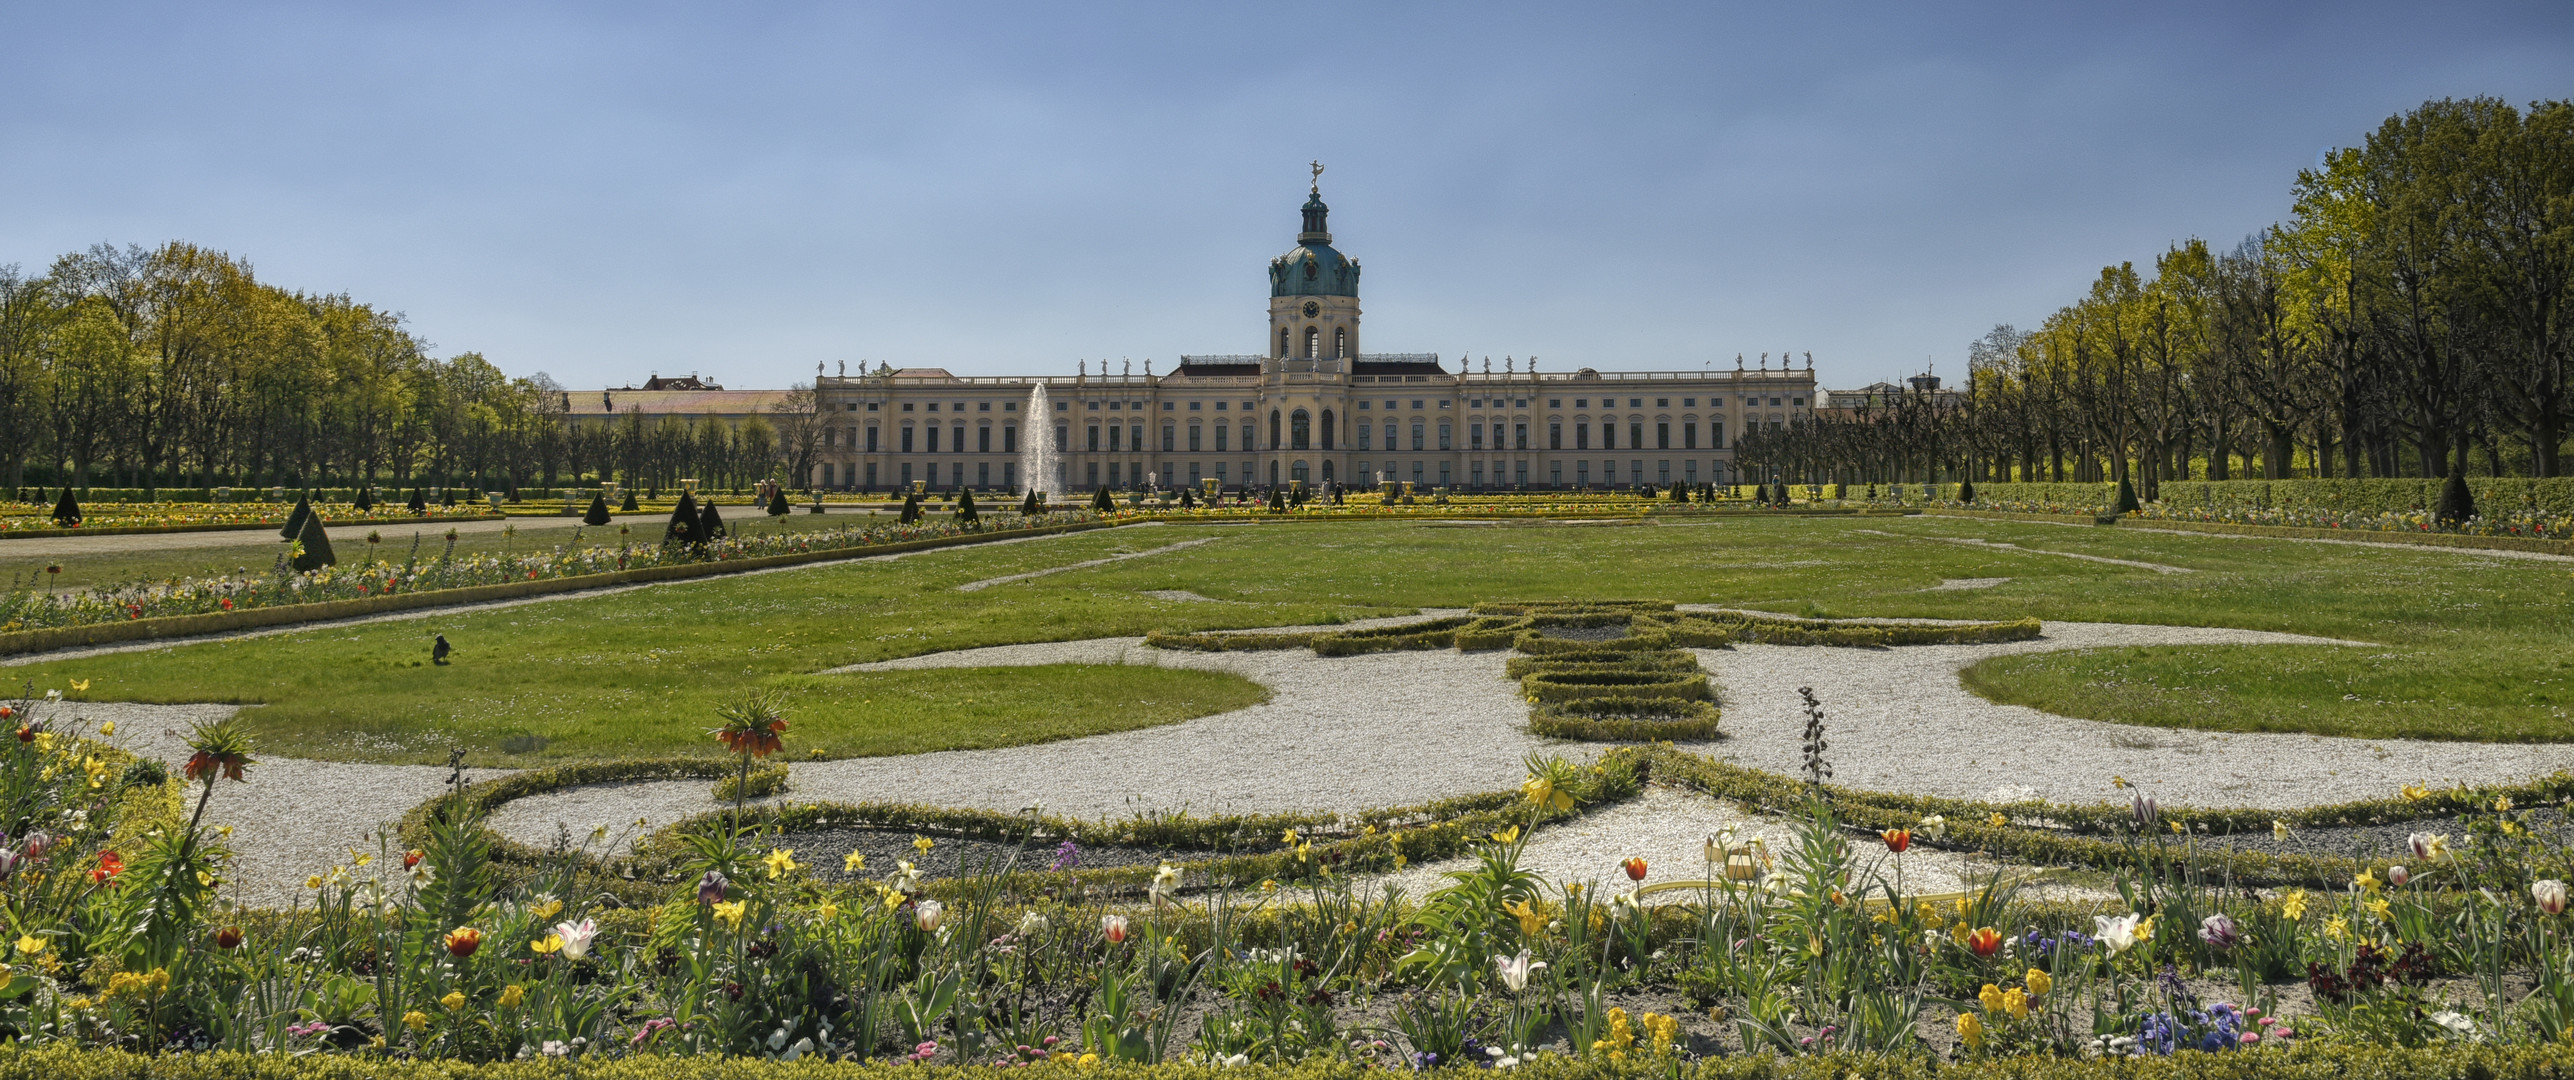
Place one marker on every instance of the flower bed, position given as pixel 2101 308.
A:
pixel 114 519
pixel 203 605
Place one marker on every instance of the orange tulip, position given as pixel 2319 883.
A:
pixel 463 940
pixel 1635 868
pixel 1897 839
pixel 1985 941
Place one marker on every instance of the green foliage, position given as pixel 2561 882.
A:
pixel 684 526
pixel 710 525
pixel 314 551
pixel 630 506
pixel 295 520
pixel 1546 687
pixel 778 502
pixel 1100 501
pixel 1622 718
pixel 760 783
pixel 67 509
pixel 598 512
pixel 965 512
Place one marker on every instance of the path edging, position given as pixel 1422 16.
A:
pixel 2289 532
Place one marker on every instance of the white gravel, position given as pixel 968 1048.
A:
pixel 1398 728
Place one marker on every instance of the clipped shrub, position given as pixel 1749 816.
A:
pixel 1570 607
pixel 1544 687
pixel 2457 504
pixel 763 781
pixel 1626 719
pixel 777 501
pixel 1536 643
pixel 710 525
pixel 911 514
pixel 683 525
pixel 418 505
pixel 364 501
pixel 1434 634
pixel 1101 501
pixel 1966 491
pixel 965 514
pixel 598 514
pixel 1224 642
pixel 630 506
pixel 1277 501
pixel 1490 632
pixel 1665 660
pixel 67 510
pixel 316 552
pixel 2127 503
pixel 1030 505
pixel 294 529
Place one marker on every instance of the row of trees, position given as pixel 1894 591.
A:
pixel 177 367
pixel 2409 318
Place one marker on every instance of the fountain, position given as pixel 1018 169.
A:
pixel 1037 441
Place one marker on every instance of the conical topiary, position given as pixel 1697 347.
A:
pixel 419 504
pixel 1101 501
pixel 1680 493
pixel 911 508
pixel 365 499
pixel 965 512
pixel 710 525
pixel 598 514
pixel 1277 501
pixel 67 510
pixel 777 501
pixel 1030 505
pixel 1187 501
pixel 2457 503
pixel 2126 498
pixel 629 505
pixel 683 522
pixel 294 529
pixel 316 552
pixel 1966 491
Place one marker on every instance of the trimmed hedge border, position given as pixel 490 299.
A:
pixel 1437 633
pixel 1626 719
pixel 271 526
pixel 1549 687
pixel 179 626
pixel 2286 532
pixel 1221 641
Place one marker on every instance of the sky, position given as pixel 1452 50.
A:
pixel 743 191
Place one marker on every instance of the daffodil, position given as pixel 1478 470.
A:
pixel 854 862
pixel 923 844
pixel 546 910
pixel 2293 904
pixel 731 912
pixel 1543 794
pixel 30 945
pixel 547 945
pixel 780 861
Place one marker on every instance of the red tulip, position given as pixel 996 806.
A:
pixel 109 865
pixel 463 940
pixel 228 938
pixel 1984 941
pixel 1897 839
pixel 1635 868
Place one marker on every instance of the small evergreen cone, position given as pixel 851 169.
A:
pixel 777 501
pixel 911 509
pixel 2457 503
pixel 2126 498
pixel 1101 501
pixel 317 546
pixel 629 505
pixel 965 512
pixel 1030 505
pixel 67 511
pixel 1966 491
pixel 710 525
pixel 364 501
pixel 683 522
pixel 598 514
pixel 294 529
pixel 1187 500
pixel 1277 501
pixel 1680 493
pixel 419 505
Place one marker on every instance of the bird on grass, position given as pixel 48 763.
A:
pixel 438 650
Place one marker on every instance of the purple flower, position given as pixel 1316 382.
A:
pixel 2218 930
pixel 1067 856
pixel 710 889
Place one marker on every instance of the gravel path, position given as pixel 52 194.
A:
pixel 2158 568
pixel 2498 553
pixel 986 583
pixel 1398 728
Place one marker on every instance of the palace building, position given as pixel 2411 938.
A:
pixel 1314 407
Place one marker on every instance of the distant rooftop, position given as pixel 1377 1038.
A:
pixel 691 382
pixel 671 402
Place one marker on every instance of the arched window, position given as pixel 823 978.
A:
pixel 1327 441
pixel 1313 342
pixel 1297 472
pixel 1327 467
pixel 1282 342
pixel 1300 430
pixel 1341 341
pixel 1273 433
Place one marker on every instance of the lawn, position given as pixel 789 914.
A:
pixel 2462 646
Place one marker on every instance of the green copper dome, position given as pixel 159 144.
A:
pixel 1314 268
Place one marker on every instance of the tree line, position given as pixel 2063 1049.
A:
pixel 177 367
pixel 2409 317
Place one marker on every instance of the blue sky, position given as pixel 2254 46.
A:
pixel 745 190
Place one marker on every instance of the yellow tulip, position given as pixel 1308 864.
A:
pixel 1970 1031
pixel 2040 982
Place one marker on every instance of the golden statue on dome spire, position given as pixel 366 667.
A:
pixel 1317 189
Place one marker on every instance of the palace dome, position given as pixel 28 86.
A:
pixel 1314 267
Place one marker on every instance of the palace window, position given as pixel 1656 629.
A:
pixel 1220 430
pixel 1170 438
pixel 1094 437
pixel 1443 443
pixel 1340 346
pixel 1009 440
pixel 1635 437
pixel 1195 430
pixel 1313 348
pixel 1417 435
pixel 1300 432
pixel 1689 436
pixel 907 438
pixel 1364 430
pixel 1328 428
pixel 1661 436
pixel 1273 432
pixel 871 438
pixel 983 442
pixel 1581 436
pixel 1555 436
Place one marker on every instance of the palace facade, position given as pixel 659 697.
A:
pixel 1314 408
